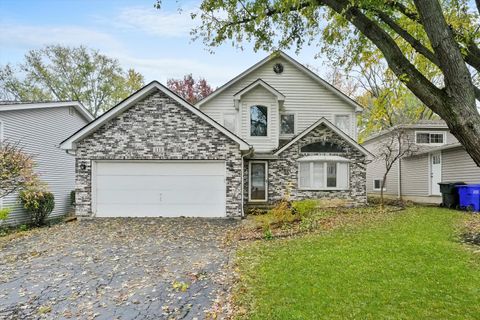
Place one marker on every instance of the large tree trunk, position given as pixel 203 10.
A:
pixel 459 104
pixel 463 121
pixel 456 102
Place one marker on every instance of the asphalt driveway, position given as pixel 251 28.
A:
pixel 122 268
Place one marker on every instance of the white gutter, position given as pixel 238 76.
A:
pixel 399 178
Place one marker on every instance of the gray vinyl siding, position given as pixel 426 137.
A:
pixel 376 170
pixel 304 97
pixel 39 132
pixel 457 165
pixel 415 180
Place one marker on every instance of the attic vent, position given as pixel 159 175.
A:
pixel 278 68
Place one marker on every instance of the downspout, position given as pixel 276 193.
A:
pixel 250 151
pixel 399 173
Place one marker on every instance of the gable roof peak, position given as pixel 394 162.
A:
pixel 331 126
pixel 298 65
pixel 69 143
pixel 259 82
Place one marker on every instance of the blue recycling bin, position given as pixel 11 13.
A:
pixel 469 197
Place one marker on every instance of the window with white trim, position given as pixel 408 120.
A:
pixel 287 124
pixel 258 121
pixel 430 137
pixel 342 122
pixel 323 175
pixel 377 185
pixel 230 122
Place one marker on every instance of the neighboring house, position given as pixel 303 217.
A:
pixel 39 128
pixel 439 157
pixel 275 130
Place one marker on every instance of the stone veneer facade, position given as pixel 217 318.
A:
pixel 283 172
pixel 157 128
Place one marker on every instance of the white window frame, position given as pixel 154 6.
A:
pixel 250 181
pixel 325 177
pixel 236 120
pixel 431 132
pixel 378 189
pixel 350 131
pixel 287 135
pixel 249 107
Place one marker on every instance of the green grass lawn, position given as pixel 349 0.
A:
pixel 409 265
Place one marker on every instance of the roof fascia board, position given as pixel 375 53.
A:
pixel 235 79
pixel 327 85
pixel 441 148
pixel 256 83
pixel 27 106
pixel 259 82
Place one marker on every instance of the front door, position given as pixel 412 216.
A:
pixel 435 172
pixel 258 181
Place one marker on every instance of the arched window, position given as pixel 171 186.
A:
pixel 258 121
pixel 322 147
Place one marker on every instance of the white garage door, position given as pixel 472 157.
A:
pixel 152 189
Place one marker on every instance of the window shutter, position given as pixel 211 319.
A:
pixel 342 175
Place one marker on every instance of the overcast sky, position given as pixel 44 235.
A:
pixel 155 42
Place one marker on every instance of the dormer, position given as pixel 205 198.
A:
pixel 259 105
pixel 280 98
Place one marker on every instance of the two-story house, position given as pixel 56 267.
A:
pixel 38 129
pixel 276 130
pixel 438 157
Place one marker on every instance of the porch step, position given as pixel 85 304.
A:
pixel 261 206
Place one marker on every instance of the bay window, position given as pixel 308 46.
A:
pixel 316 174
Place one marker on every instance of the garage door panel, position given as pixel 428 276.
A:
pixel 160 168
pixel 157 182
pixel 122 210
pixel 118 196
pixel 144 188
